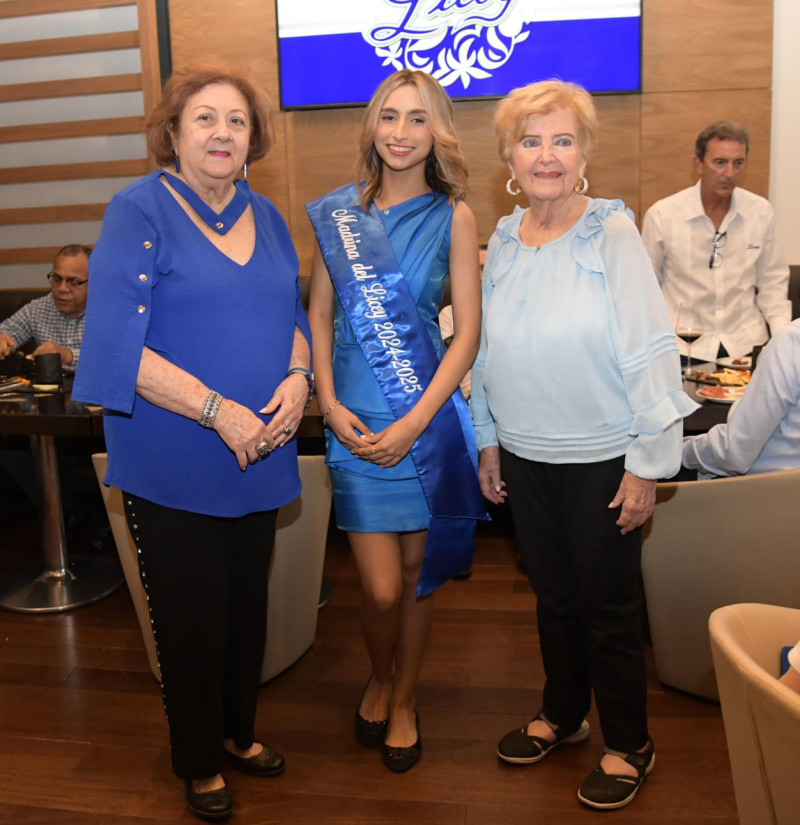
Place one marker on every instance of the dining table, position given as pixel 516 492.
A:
pixel 59 578
pixel 710 412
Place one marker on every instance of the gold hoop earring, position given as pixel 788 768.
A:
pixel 510 191
pixel 581 186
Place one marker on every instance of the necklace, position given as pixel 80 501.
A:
pixel 220 222
pixel 380 208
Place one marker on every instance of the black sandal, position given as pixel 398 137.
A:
pixel 520 748
pixel 607 791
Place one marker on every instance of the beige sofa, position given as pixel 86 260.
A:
pixel 712 543
pixel 761 715
pixel 295 572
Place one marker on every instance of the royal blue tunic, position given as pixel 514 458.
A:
pixel 158 282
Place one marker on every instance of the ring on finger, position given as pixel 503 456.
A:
pixel 263 449
pixel 287 429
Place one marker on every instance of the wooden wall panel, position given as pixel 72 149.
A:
pixel 700 45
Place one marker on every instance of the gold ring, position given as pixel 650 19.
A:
pixel 373 451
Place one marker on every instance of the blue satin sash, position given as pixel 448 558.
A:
pixel 393 338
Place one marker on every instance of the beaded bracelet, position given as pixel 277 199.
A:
pixel 309 376
pixel 210 410
pixel 329 411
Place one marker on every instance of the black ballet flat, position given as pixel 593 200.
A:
pixel 266 763
pixel 370 734
pixel 209 804
pixel 399 760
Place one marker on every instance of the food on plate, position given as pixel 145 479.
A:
pixel 741 362
pixel 14 383
pixel 716 392
pixel 732 378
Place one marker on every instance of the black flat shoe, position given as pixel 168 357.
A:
pixel 369 734
pixel 608 791
pixel 400 760
pixel 209 804
pixel 518 747
pixel 267 763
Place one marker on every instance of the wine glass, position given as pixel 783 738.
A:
pixel 689 328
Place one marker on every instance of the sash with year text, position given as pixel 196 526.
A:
pixel 387 325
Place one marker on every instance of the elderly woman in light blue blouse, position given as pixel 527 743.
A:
pixel 578 409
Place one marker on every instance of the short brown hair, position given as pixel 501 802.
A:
pixel 445 168
pixel 541 98
pixel 190 79
pixel 722 130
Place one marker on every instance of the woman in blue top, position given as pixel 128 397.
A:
pixel 197 346
pixel 400 443
pixel 577 404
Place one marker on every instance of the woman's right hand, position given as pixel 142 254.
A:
pixel 492 486
pixel 347 427
pixel 242 431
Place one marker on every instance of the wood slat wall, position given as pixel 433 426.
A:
pixel 145 38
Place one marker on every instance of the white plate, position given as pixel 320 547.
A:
pixel 722 395
pixel 729 362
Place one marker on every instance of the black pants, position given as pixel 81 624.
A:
pixel 587 579
pixel 206 583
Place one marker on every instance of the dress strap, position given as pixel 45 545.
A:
pixel 220 222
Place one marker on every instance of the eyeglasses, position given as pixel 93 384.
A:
pixel 716 256
pixel 72 283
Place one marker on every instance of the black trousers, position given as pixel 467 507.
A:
pixel 206 582
pixel 587 579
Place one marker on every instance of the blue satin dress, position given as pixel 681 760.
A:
pixel 369 498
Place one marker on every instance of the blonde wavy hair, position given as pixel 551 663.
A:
pixel 445 168
pixel 541 98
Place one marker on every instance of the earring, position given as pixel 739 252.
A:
pixel 581 186
pixel 510 191
pixel 244 170
pixel 176 162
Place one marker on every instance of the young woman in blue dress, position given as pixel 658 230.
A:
pixel 386 481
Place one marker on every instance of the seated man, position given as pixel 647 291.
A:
pixel 762 433
pixel 714 249
pixel 55 321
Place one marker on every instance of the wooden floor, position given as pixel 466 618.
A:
pixel 83 738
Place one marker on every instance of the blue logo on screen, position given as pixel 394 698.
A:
pixel 453 40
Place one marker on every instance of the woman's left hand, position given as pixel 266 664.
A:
pixel 289 400
pixel 389 446
pixel 638 498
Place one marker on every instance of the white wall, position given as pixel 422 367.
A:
pixel 784 178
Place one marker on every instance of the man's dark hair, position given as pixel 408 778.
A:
pixel 722 130
pixel 71 250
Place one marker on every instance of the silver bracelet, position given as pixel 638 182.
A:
pixel 210 409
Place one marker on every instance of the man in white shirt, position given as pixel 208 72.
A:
pixel 762 432
pixel 714 248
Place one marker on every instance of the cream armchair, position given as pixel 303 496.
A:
pixel 761 715
pixel 712 543
pixel 295 572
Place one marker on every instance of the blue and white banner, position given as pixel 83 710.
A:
pixel 336 52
